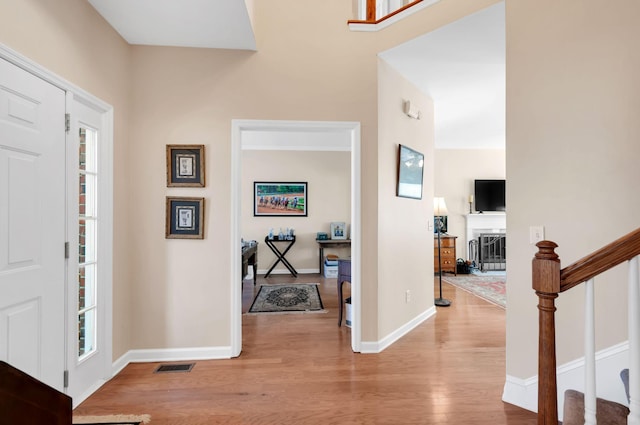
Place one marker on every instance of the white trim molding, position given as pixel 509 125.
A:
pixel 376 347
pixel 241 138
pixel 609 364
pixel 170 355
pixel 521 392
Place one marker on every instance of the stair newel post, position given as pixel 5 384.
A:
pixel 546 283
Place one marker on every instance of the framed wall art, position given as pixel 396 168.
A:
pixel 280 199
pixel 185 166
pixel 440 221
pixel 410 171
pixel 338 230
pixel 184 218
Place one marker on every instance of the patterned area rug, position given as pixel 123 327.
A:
pixel 491 288
pixel 112 420
pixel 287 298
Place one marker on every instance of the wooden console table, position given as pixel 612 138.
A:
pixel 328 243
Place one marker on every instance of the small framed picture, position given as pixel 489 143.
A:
pixel 184 218
pixel 185 165
pixel 338 230
pixel 440 223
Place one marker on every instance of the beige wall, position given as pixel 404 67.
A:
pixel 572 149
pixel 328 175
pixel 303 70
pixel 406 243
pixel 455 171
pixel 74 42
pixel 191 96
pixel 572 139
pixel 174 293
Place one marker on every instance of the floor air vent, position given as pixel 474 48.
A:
pixel 168 368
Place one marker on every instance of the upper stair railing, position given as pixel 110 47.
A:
pixel 549 280
pixel 376 11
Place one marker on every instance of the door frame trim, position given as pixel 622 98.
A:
pixel 104 247
pixel 238 128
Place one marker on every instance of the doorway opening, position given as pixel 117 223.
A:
pixel 242 132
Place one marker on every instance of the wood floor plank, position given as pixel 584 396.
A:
pixel 299 369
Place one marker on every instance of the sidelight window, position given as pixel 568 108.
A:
pixel 87 242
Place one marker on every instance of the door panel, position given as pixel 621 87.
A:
pixel 20 322
pixel 22 211
pixel 32 224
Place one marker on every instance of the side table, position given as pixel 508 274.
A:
pixel 448 254
pixel 281 254
pixel 328 243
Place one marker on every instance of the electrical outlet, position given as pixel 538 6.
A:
pixel 407 296
pixel 536 234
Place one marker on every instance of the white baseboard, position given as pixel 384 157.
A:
pixel 95 387
pixel 211 353
pixel 171 355
pixel 378 346
pixel 521 392
pixel 609 364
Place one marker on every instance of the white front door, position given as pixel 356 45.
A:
pixel 32 224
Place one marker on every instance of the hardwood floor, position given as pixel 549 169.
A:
pixel 299 369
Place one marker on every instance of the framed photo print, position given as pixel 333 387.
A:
pixel 338 230
pixel 184 218
pixel 280 199
pixel 185 165
pixel 410 172
pixel 440 221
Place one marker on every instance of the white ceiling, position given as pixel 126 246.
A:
pixel 222 24
pixel 461 66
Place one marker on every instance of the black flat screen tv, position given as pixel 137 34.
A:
pixel 490 195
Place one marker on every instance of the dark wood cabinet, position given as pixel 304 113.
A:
pixel 448 253
pixel 344 275
pixel 250 258
pixel 25 400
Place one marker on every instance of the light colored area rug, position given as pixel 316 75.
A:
pixel 492 288
pixel 111 419
pixel 287 298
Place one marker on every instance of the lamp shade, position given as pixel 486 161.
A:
pixel 439 207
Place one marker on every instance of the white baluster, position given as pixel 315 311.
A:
pixel 362 9
pixel 634 342
pixel 382 8
pixel 589 356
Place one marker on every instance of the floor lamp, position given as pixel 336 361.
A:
pixel 439 210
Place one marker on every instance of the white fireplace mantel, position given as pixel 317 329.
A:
pixel 488 222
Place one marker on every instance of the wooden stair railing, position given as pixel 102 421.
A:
pixel 549 280
pixel 370 15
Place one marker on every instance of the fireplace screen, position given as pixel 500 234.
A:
pixel 492 251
